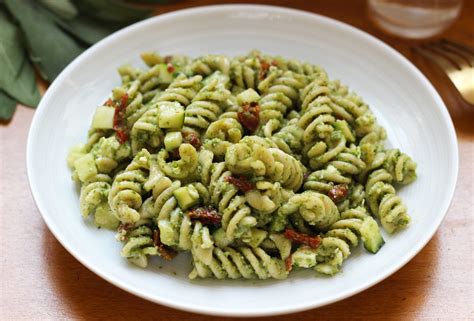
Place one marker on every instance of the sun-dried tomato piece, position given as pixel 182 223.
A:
pixel 119 119
pixel 264 67
pixel 289 263
pixel 338 193
pixel 249 117
pixel 122 136
pixel 165 251
pixel 170 67
pixel 206 215
pixel 109 102
pixel 193 139
pixel 301 238
pixel 241 182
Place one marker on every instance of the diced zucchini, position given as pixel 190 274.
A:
pixel 173 140
pixel 171 116
pixel 103 118
pixel 105 218
pixel 248 96
pixel 85 167
pixel 167 234
pixel 187 196
pixel 164 76
pixel 304 257
pixel 371 236
pixel 75 152
pixel 140 261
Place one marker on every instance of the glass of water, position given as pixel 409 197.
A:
pixel 415 19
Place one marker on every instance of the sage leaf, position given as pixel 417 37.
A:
pixel 50 48
pixel 86 29
pixel 63 8
pixel 7 106
pixel 17 77
pixel 112 10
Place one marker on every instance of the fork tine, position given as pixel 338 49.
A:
pixel 458 60
pixel 462 51
pixel 468 50
pixel 440 60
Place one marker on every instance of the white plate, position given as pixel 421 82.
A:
pixel 404 101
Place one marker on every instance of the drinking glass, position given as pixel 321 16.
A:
pixel 415 19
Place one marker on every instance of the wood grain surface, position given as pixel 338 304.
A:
pixel 40 280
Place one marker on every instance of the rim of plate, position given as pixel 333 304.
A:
pixel 228 7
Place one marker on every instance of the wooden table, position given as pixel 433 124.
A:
pixel 41 281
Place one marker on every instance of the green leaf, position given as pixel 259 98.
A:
pixel 17 77
pixel 63 8
pixel 112 10
pixel 153 1
pixel 7 106
pixel 87 29
pixel 50 48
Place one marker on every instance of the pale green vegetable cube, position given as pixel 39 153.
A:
pixel 248 96
pixel 103 118
pixel 164 76
pixel 85 167
pixel 187 196
pixel 173 140
pixel 105 218
pixel 75 152
pixel 171 116
pixel 166 232
pixel 304 257
pixel 371 236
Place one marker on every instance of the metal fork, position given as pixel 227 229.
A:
pixel 456 60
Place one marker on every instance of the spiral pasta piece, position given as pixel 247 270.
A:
pixel 221 134
pixel 243 262
pixel 146 133
pixel 182 168
pixel 244 74
pixel 289 138
pixel 125 196
pixel 94 194
pixel 181 90
pixel 139 245
pixel 320 153
pixel 206 106
pixel 400 166
pixel 384 202
pixel 224 196
pixel 255 158
pixel 208 64
pixel 314 208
